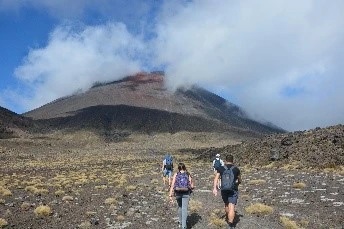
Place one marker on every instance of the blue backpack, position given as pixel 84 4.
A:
pixel 227 179
pixel 182 183
pixel 217 163
pixel 169 162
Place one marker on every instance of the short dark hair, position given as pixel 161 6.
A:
pixel 229 158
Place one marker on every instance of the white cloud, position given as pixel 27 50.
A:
pixel 280 59
pixel 261 49
pixel 74 60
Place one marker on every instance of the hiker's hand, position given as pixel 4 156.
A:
pixel 171 199
pixel 215 192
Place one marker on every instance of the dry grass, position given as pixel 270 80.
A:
pixel 270 166
pixel 43 210
pixel 288 223
pixel 59 193
pixel 90 213
pixel 304 223
pixel 120 218
pixel 299 185
pixel 85 225
pixel 25 206
pixel 259 208
pixel 195 206
pixel 256 182
pixel 155 181
pixel 292 165
pixel 3 223
pixel 216 219
pixel 5 191
pixel 131 188
pixel 67 198
pixel 2 201
pixel 110 201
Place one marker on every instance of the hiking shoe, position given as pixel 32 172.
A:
pixel 231 226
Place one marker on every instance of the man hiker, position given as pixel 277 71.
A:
pixel 230 180
pixel 167 169
pixel 217 162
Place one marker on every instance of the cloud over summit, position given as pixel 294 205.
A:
pixel 280 59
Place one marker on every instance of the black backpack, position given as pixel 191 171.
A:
pixel 227 179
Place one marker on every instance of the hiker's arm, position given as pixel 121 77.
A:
pixel 239 179
pixel 191 182
pixel 172 185
pixel 216 179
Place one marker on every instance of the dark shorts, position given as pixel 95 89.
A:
pixel 229 196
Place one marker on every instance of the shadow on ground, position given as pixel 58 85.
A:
pixel 193 219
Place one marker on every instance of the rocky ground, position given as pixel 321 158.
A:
pixel 78 181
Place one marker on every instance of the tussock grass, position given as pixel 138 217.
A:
pixel 270 166
pixel 216 219
pixel 288 223
pixel 120 218
pixel 299 185
pixel 41 191
pixel 304 223
pixel 155 181
pixel 131 188
pixel 25 206
pixel 256 182
pixel 67 198
pixel 5 191
pixel 102 187
pixel 110 201
pixel 3 223
pixel 195 206
pixel 90 213
pixel 31 189
pixel 292 165
pixel 259 208
pixel 59 193
pixel 85 225
pixel 42 211
pixel 2 201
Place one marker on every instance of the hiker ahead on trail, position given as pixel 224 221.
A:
pixel 217 162
pixel 181 188
pixel 167 168
pixel 230 180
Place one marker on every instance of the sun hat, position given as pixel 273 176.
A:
pixel 217 155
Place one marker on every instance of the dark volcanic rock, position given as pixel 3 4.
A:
pixel 317 148
pixel 12 123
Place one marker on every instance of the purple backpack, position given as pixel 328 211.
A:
pixel 182 183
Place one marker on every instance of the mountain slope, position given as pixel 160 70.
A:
pixel 11 124
pixel 142 103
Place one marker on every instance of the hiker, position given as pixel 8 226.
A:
pixel 167 168
pixel 181 188
pixel 230 180
pixel 217 162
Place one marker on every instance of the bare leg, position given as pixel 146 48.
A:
pixel 231 212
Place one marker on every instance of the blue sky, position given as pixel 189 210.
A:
pixel 280 60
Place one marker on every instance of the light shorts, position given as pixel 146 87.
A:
pixel 167 173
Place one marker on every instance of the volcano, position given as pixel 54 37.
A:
pixel 142 103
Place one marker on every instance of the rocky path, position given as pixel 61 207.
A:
pixel 299 197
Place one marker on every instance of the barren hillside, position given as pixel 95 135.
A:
pixel 142 103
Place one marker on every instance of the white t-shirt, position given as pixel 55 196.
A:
pixel 221 162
